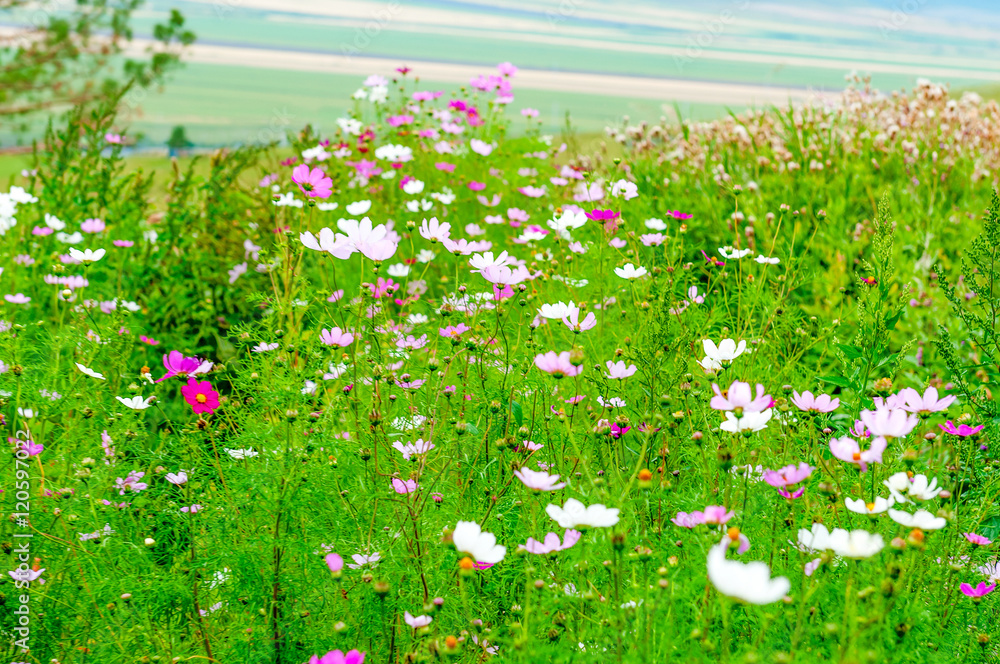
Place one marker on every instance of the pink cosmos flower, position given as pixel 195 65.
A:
pixel 409 486
pixel 573 322
pixel 92 226
pixel 739 395
pixel 539 480
pixel 889 423
pixel 506 69
pixel 716 515
pixel 338 657
pixel 416 622
pixel 454 331
pixel 914 402
pixel 978 540
pixel 336 337
pixel 200 395
pixel 602 215
pixel 558 365
pixel 619 370
pixel 961 430
pixel 685 520
pixel 334 562
pixel 847 449
pixel 551 543
pixel 821 403
pixel 788 476
pixel 979 591
pixel 313 183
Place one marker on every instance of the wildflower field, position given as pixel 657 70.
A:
pixel 432 386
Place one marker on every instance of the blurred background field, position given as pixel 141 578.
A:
pixel 260 68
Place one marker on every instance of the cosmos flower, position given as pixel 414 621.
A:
pixel 338 657
pixel 200 395
pixel 551 543
pixel 576 515
pixel 557 365
pixel 961 430
pixel 847 449
pixel 539 480
pixel 619 371
pixel 889 423
pixel 914 402
pixel 629 271
pixel 749 582
pixel 314 183
pixel 821 403
pixel 980 590
pixel 89 372
pixel 416 622
pixel 717 357
pixel 739 396
pixel 751 421
pixel 859 506
pixel 921 519
pixel 469 539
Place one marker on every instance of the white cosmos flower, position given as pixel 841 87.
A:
pixel 89 372
pixel 816 538
pixel 558 311
pixel 751 421
pixel 730 252
pixel 358 208
pixel 87 255
pixel 248 453
pixel 656 224
pixel 903 488
pixel 482 547
pixel 855 543
pixel 762 259
pixel 630 271
pixel 136 402
pixel 576 515
pixel 750 582
pixel 859 506
pixel 921 519
pixel 719 356
pixel 398 270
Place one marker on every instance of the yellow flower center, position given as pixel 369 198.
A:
pixel 201 398
pixel 870 506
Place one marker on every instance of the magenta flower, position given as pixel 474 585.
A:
pixel 338 657
pixel 313 183
pixel 740 396
pixel 821 403
pixel 925 404
pixel 978 540
pixel 200 395
pixel 33 448
pixel 979 591
pixel 617 430
pixel 847 449
pixel 178 365
pixel 602 215
pixel 961 430
pixel 793 495
pixel 558 365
